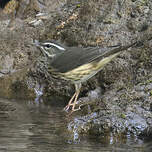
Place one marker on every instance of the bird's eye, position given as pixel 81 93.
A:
pixel 47 45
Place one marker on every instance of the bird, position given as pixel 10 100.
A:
pixel 77 65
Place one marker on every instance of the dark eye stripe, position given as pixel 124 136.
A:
pixel 48 45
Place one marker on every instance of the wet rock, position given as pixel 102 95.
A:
pixel 147 133
pixel 15 86
pixel 150 107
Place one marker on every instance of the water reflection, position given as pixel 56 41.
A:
pixel 29 127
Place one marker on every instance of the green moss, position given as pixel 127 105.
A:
pixel 148 81
pixel 123 116
pixel 78 5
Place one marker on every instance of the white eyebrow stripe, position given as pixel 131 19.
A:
pixel 59 47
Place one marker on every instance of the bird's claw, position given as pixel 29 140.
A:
pixel 73 108
pixel 66 108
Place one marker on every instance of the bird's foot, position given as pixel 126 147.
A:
pixel 73 110
pixel 67 108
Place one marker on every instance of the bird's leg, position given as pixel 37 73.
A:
pixel 75 100
pixel 70 102
pixel 77 87
pixel 74 97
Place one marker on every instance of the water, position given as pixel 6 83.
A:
pixel 41 127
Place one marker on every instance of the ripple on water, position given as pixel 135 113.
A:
pixel 26 126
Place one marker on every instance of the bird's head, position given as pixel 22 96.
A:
pixel 50 48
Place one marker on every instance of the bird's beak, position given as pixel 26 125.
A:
pixel 39 45
pixel 36 43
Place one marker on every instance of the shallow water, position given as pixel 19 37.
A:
pixel 40 127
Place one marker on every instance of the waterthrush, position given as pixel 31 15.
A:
pixel 77 65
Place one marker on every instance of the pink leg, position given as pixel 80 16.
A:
pixel 74 97
pixel 74 103
pixel 70 102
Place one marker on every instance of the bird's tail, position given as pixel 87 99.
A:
pixel 110 54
